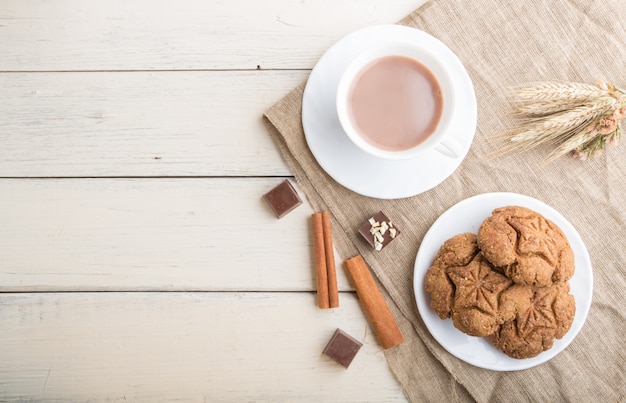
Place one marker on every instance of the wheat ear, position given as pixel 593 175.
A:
pixel 544 98
pixel 558 126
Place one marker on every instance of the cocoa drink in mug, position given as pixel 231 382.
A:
pixel 396 101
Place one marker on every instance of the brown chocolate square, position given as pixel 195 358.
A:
pixel 282 199
pixel 342 347
pixel 378 231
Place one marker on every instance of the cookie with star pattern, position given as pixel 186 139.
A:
pixel 526 246
pixel 459 250
pixel 537 316
pixel 464 287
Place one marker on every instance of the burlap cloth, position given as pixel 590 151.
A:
pixel 501 43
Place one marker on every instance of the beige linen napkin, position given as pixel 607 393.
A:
pixel 501 43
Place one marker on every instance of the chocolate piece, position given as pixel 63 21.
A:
pixel 282 199
pixel 378 231
pixel 342 347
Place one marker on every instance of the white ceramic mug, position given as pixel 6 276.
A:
pixel 439 139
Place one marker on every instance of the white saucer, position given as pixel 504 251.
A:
pixel 354 168
pixel 466 216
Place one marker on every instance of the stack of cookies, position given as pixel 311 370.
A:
pixel 508 283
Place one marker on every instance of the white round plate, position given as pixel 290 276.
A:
pixel 356 169
pixel 466 216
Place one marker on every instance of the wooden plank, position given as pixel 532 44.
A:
pixel 194 34
pixel 185 347
pixel 214 234
pixel 140 124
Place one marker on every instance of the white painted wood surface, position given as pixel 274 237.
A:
pixel 185 347
pixel 140 123
pixel 206 234
pixel 180 35
pixel 137 259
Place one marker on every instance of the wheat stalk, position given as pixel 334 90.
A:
pixel 537 131
pixel 572 117
pixel 544 98
pixel 572 143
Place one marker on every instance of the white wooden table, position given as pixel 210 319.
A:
pixel 137 259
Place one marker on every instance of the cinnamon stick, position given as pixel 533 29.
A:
pixel 331 270
pixel 320 262
pixel 373 303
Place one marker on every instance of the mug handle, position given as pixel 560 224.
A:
pixel 449 147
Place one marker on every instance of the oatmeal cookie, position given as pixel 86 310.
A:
pixel 526 247
pixel 539 315
pixel 476 308
pixel 463 286
pixel 456 251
